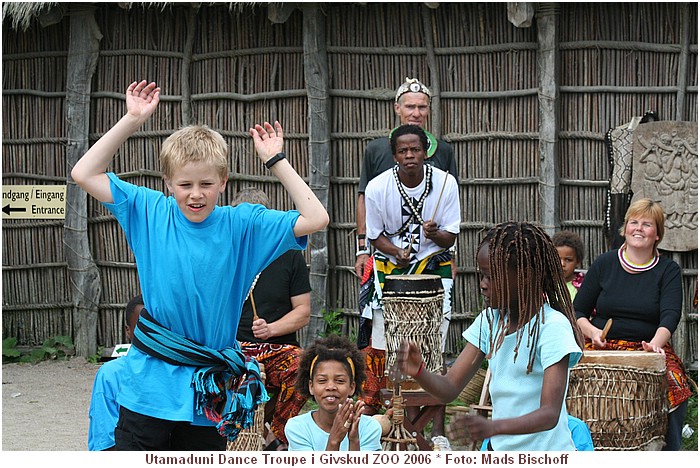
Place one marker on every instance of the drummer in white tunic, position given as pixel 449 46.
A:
pixel 413 218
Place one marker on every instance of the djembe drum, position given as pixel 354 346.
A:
pixel 622 397
pixel 413 312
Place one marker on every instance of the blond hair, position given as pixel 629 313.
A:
pixel 646 208
pixel 194 144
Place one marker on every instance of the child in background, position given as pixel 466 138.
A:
pixel 530 344
pixel 104 410
pixel 332 371
pixel 571 252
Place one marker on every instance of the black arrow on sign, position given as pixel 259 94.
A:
pixel 8 210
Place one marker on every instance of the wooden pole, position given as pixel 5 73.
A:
pixel 435 124
pixel 186 66
pixel 548 72
pixel 84 275
pixel 683 62
pixel 316 77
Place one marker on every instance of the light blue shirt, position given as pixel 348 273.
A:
pixel 580 434
pixel 304 434
pixel 194 278
pixel 514 392
pixel 104 410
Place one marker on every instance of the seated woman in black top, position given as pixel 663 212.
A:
pixel 642 292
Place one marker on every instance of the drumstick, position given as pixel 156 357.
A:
pixel 410 245
pixel 252 302
pixel 250 294
pixel 606 329
pixel 444 182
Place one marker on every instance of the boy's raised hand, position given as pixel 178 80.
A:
pixel 142 98
pixel 268 140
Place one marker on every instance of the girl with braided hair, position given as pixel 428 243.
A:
pixel 529 336
pixel 331 371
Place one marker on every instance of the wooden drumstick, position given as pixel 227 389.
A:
pixel 250 294
pixel 606 329
pixel 252 303
pixel 407 251
pixel 444 182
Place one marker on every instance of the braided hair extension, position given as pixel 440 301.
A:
pixel 331 348
pixel 527 251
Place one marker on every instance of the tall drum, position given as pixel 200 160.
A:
pixel 622 397
pixel 413 312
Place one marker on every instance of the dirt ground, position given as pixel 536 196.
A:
pixel 45 405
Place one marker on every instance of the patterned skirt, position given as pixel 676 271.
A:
pixel 281 363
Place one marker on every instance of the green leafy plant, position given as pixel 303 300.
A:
pixel 95 358
pixel 59 347
pixel 334 322
pixel 10 353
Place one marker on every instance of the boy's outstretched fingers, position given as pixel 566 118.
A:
pixel 142 99
pixel 278 128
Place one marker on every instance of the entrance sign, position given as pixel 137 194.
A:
pixel 33 202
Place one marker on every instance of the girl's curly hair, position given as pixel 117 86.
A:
pixel 331 348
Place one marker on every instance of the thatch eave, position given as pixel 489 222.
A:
pixel 22 14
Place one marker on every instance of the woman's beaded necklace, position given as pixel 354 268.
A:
pixel 415 209
pixel 631 267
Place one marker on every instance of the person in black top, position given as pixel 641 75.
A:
pixel 641 292
pixel 278 305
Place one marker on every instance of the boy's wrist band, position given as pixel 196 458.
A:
pixel 362 252
pixel 274 160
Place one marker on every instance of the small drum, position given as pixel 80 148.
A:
pixel 413 312
pixel 622 397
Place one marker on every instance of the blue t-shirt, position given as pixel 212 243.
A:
pixel 304 434
pixel 104 410
pixel 514 392
pixel 194 278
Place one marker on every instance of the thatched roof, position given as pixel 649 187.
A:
pixel 22 14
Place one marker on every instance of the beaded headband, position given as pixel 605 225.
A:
pixel 412 85
pixel 313 363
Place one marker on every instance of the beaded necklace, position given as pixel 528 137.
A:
pixel 634 268
pixel 415 209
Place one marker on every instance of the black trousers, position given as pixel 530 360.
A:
pixel 137 432
pixel 676 420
